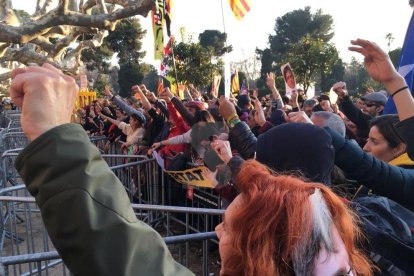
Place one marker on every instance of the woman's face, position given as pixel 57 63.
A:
pixel 224 231
pixel 290 79
pixel 133 122
pixel 378 147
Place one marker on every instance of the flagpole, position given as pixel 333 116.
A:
pixel 175 68
pixel 227 78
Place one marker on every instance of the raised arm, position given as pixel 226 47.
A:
pixel 142 90
pixel 271 84
pixel 381 69
pixel 123 105
pixel 84 207
pixel 115 122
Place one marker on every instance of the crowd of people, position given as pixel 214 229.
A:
pixel 288 169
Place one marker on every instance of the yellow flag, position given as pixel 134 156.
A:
pixel 235 84
pixel 239 8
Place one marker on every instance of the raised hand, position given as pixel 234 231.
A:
pixel 299 117
pixel 377 62
pixel 226 108
pixel 46 95
pixel 270 80
pixel 259 116
pixel 166 95
pixel 340 89
pixel 151 97
pixel 107 91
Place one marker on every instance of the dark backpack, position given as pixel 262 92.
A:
pixel 389 229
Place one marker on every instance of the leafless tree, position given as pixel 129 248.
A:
pixel 46 36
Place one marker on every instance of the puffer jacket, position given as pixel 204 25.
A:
pixel 243 140
pixel 383 179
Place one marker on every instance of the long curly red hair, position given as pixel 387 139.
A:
pixel 274 219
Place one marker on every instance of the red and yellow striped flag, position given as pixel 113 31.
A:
pixel 239 8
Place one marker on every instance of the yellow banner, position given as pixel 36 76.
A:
pixel 193 177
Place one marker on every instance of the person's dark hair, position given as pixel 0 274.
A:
pixel 285 99
pixel 216 115
pixel 205 97
pixel 243 101
pixel 137 118
pixel 203 116
pixel 385 125
pixel 324 97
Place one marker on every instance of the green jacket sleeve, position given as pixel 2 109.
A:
pixel 86 210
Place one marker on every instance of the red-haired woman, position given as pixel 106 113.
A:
pixel 280 225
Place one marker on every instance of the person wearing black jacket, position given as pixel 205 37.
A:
pixel 156 122
pixel 374 104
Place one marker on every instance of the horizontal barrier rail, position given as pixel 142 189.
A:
pixel 53 255
pixel 142 207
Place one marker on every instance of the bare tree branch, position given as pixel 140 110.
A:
pixel 65 24
pixel 26 55
pixel 46 4
pixel 32 29
pixel 38 8
pixel 5 5
pixel 124 3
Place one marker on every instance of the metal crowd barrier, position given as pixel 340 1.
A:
pixel 7 116
pixel 25 246
pixel 104 146
pixel 9 174
pixel 27 250
pixel 14 140
pixel 139 175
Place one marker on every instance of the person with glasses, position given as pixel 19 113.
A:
pixel 374 103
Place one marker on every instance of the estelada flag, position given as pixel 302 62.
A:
pixel 406 67
pixel 164 68
pixel 239 8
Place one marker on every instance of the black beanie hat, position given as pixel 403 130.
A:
pixel 298 147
